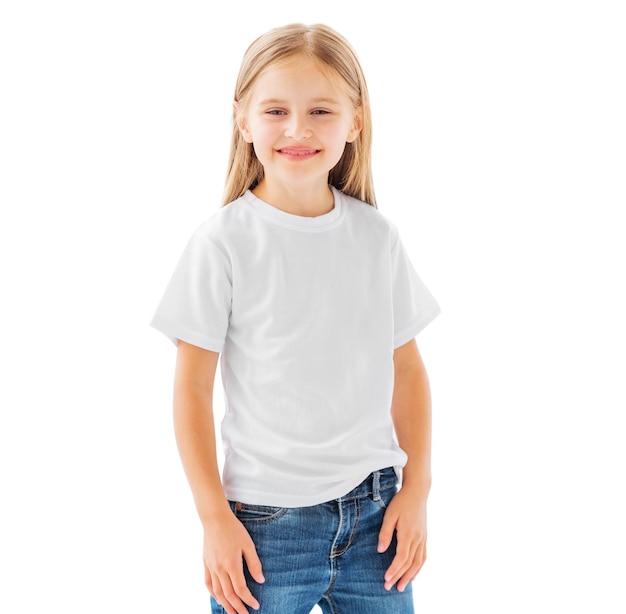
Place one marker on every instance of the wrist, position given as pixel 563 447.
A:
pixel 417 484
pixel 213 509
pixel 215 517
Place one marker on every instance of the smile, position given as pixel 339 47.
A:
pixel 298 153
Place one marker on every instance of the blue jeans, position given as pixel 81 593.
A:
pixel 325 554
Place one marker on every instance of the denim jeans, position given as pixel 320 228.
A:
pixel 325 554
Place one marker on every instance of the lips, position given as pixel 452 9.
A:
pixel 298 151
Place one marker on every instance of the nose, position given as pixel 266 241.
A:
pixel 298 127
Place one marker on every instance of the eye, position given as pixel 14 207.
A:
pixel 276 112
pixel 320 112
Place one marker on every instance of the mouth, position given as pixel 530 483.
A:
pixel 298 153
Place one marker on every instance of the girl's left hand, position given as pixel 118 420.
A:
pixel 406 515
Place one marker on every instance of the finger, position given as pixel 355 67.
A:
pixel 409 575
pixel 207 580
pixel 218 595
pixel 413 570
pixel 386 532
pixel 254 563
pixel 243 592
pixel 400 564
pixel 226 594
pixel 232 600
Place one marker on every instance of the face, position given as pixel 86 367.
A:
pixel 299 119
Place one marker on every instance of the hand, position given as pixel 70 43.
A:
pixel 406 515
pixel 226 545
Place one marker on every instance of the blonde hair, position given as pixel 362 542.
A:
pixel 321 44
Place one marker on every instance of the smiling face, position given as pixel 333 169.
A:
pixel 299 119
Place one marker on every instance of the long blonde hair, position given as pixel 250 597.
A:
pixel 320 43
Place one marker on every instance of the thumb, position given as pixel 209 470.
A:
pixel 386 532
pixel 254 563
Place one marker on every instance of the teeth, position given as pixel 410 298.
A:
pixel 299 152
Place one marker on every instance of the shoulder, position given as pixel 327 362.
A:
pixel 369 218
pixel 223 224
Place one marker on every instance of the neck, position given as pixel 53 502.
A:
pixel 305 201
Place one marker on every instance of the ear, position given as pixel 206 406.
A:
pixel 357 126
pixel 240 119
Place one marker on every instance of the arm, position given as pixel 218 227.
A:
pixel 406 514
pixel 226 542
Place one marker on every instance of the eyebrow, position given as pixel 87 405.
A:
pixel 315 100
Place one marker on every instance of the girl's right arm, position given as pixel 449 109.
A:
pixel 226 541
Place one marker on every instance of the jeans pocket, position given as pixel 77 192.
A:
pixel 257 514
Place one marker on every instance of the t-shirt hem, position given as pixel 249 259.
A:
pixel 411 331
pixel 175 333
pixel 290 500
pixel 300 500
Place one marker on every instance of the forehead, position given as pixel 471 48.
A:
pixel 298 77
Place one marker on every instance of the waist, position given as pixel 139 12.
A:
pixel 373 485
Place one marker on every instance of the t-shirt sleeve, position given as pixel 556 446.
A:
pixel 413 305
pixel 195 307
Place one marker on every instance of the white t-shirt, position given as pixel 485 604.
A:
pixel 306 312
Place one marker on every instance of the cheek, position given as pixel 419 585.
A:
pixel 335 136
pixel 265 133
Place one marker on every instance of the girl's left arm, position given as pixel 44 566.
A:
pixel 406 514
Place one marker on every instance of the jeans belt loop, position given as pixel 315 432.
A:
pixel 376 486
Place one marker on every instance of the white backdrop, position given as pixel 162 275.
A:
pixel 499 152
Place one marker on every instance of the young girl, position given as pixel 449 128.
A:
pixel 307 293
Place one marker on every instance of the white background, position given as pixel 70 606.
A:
pixel 499 151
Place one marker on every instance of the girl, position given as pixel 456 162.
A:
pixel 307 293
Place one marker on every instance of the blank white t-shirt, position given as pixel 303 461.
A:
pixel 306 312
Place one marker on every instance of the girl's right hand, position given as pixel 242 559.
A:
pixel 226 545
